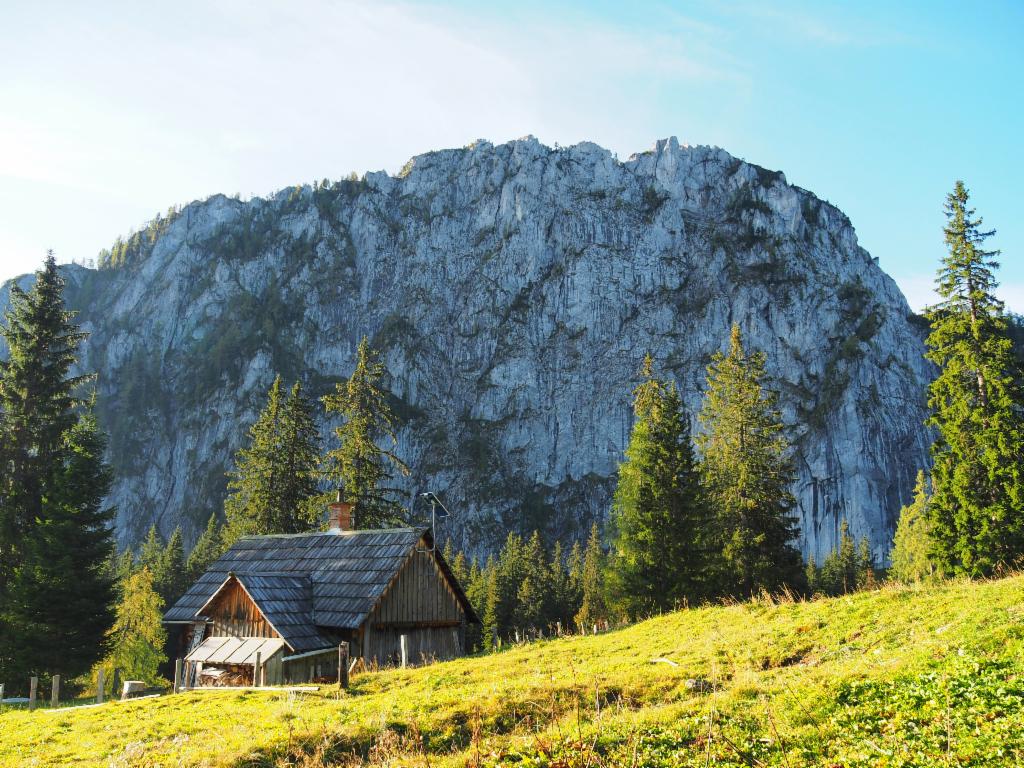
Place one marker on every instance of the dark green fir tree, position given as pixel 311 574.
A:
pixel 492 608
pixel 273 488
pixel 175 574
pixel 593 602
pixel 748 473
pixel 151 554
pixel 359 465
pixel 209 546
pixel 56 587
pixel 977 408
pixel 662 549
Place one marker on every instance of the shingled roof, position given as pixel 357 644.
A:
pixel 286 601
pixel 337 576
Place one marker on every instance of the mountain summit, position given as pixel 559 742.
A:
pixel 513 291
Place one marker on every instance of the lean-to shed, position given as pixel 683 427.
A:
pixel 294 598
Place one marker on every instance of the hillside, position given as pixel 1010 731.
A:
pixel 895 677
pixel 514 291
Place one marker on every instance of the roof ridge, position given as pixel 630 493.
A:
pixel 410 529
pixel 270 574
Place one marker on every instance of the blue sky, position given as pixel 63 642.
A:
pixel 110 112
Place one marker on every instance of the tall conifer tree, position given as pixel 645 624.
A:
pixel 748 472
pixel 662 547
pixel 359 466
pixel 977 502
pixel 573 583
pixel 209 546
pixel 593 604
pixel 56 589
pixel 492 608
pixel 175 573
pixel 274 488
pixel 151 553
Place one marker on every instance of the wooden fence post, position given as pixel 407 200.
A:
pixel 256 671
pixel 100 685
pixel 342 666
pixel 403 643
pixel 55 691
pixel 33 684
pixel 177 675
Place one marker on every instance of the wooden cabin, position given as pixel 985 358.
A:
pixel 290 600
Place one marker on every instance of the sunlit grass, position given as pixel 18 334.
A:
pixel 894 677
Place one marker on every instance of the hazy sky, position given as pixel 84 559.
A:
pixel 111 112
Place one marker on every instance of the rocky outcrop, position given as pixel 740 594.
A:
pixel 513 290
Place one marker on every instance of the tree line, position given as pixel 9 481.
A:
pixel 692 520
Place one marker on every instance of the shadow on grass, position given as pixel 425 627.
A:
pixel 459 732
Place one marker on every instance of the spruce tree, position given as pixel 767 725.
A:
pixel 663 542
pixel 849 566
pixel 912 545
pixel 273 488
pixel 137 637
pixel 492 607
pixel 55 533
pixel 476 593
pixel 359 466
pixel 300 460
pixel 529 605
pixel 558 598
pixel 510 570
pixel 593 606
pixel 748 472
pixel 62 592
pixel 459 568
pixel 538 574
pixel 977 408
pixel 574 584
pixel 151 554
pixel 37 402
pixel 865 565
pixel 830 576
pixel 207 549
pixel 122 565
pixel 812 576
pixel 175 574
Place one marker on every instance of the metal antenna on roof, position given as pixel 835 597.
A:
pixel 434 504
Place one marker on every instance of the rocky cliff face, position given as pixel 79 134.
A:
pixel 513 290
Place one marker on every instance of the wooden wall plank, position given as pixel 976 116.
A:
pixel 234 614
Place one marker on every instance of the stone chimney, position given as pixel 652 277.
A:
pixel 341 515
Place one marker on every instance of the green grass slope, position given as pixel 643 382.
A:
pixel 894 677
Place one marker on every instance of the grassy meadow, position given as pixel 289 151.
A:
pixel 893 677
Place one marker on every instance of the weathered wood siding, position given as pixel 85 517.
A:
pixel 424 645
pixel 234 614
pixel 273 669
pixel 421 605
pixel 309 668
